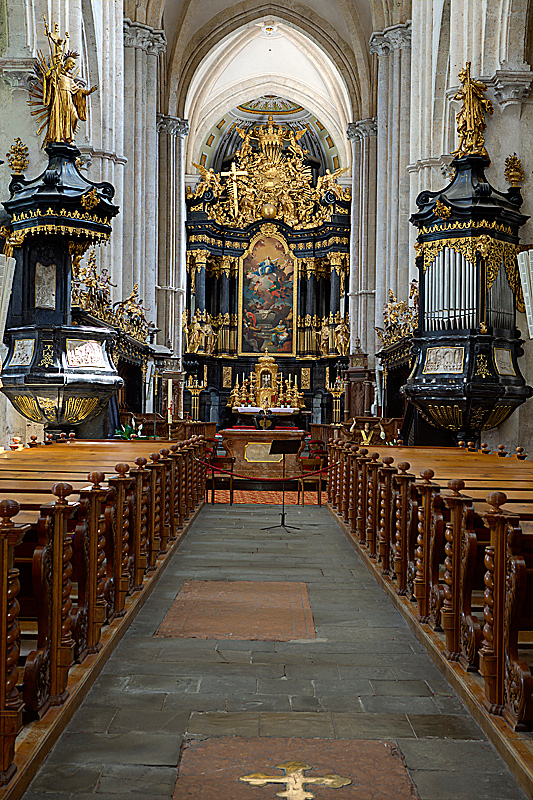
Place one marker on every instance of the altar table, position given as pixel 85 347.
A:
pixel 250 448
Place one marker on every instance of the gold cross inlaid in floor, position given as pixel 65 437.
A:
pixel 295 780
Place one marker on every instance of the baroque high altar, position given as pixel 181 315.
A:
pixel 268 265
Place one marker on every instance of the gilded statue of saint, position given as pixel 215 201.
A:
pixel 58 92
pixel 471 117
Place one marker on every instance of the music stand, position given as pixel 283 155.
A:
pixel 283 447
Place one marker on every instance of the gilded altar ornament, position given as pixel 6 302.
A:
pixel 57 91
pixel 322 339
pixel 514 173
pixel 92 289
pixel 90 200
pixel 471 117
pixel 399 318
pixel 200 336
pixel 341 337
pixel 265 388
pixel 17 157
pixel 130 315
pixel 269 179
pixel 482 367
pixel 210 181
pixel 441 210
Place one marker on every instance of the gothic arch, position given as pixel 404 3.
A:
pixel 206 105
pixel 250 90
pixel 356 76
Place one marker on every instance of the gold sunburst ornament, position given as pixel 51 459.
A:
pixel 57 92
pixel 270 178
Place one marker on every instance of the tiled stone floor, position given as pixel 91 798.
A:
pixel 365 676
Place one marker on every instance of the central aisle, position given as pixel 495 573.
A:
pixel 364 677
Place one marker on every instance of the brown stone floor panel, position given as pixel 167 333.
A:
pixel 213 768
pixel 249 610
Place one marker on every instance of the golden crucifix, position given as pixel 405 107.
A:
pixel 232 175
pixel 295 780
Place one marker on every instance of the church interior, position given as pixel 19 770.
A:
pixel 273 257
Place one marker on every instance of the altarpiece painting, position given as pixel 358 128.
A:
pixel 267 298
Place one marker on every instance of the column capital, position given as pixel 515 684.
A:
pixel 379 45
pixel 393 38
pixel 144 37
pixel 157 43
pixel 17 73
pixel 511 86
pixel 172 126
pixel 362 129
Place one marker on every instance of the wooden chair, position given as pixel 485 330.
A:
pixel 310 465
pixel 223 462
pixel 316 446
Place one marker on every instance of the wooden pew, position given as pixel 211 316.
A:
pixel 508 610
pixel 68 568
pixel 437 544
pixel 11 704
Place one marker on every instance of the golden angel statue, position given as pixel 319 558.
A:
pixel 328 183
pixel 58 92
pixel 210 180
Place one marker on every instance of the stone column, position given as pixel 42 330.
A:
pixel 171 284
pixel 142 47
pixel 362 135
pixel 310 310
pixel 336 264
pixel 200 259
pixel 224 283
pixel 103 150
pixel 511 87
pixel 392 47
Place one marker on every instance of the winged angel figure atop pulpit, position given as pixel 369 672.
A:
pixel 57 91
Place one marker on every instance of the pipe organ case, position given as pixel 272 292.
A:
pixel 466 376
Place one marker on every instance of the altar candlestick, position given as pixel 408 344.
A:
pixel 169 401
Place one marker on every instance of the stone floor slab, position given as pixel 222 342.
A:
pixel 263 610
pixel 228 769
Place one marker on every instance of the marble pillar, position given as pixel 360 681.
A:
pixel 171 284
pixel 142 46
pixel 103 153
pixel 362 284
pixel 393 49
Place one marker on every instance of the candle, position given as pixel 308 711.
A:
pixel 169 400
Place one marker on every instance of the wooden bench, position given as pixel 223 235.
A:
pixel 432 537
pixel 72 556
